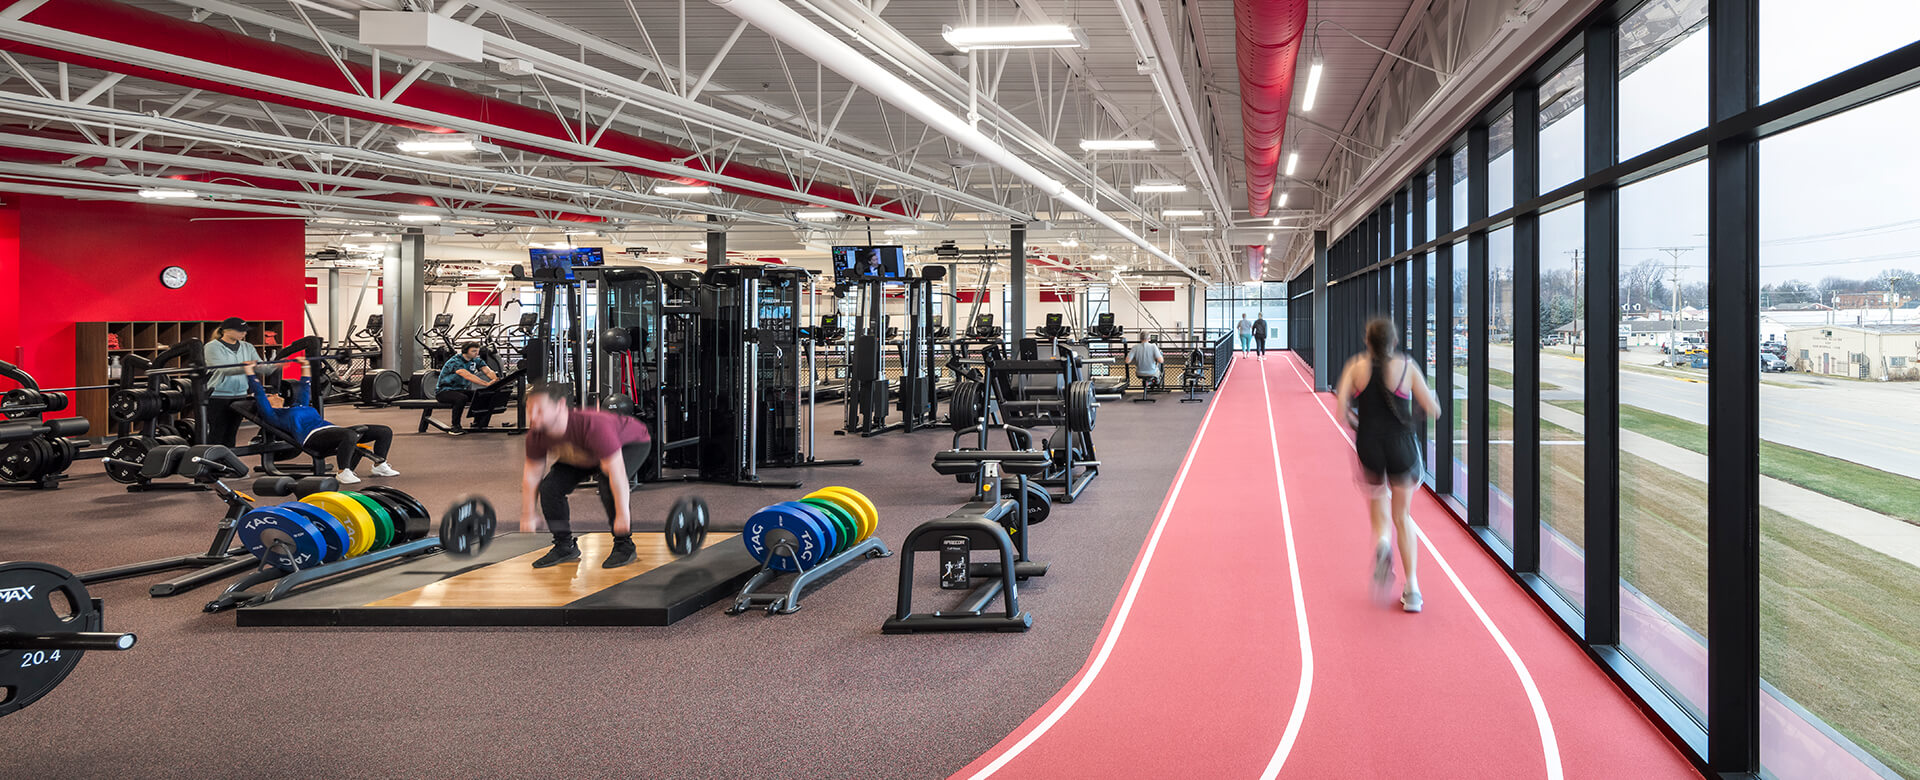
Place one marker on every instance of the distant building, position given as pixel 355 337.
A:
pixel 1661 332
pixel 1878 351
pixel 1868 300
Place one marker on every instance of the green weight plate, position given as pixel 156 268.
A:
pixel 843 522
pixel 382 521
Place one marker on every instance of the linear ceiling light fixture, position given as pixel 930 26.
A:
pixel 1313 84
pixel 1145 188
pixel 1019 36
pixel 1280 204
pixel 816 216
pixel 682 189
pixel 1196 229
pixel 1118 145
pixel 419 217
pixel 902 232
pixel 1293 161
pixel 789 27
pixel 165 194
pixel 1177 213
pixel 431 143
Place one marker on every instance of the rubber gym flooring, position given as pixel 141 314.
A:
pixel 818 693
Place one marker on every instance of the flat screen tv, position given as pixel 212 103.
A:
pixel 565 260
pixel 853 263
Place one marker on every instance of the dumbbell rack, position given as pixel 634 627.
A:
pixel 285 582
pixel 783 544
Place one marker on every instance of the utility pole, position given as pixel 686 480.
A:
pixel 1579 316
pixel 1673 329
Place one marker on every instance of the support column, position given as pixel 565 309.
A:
pixel 1017 296
pixel 1601 284
pixel 1194 331
pixel 1322 359
pixel 716 244
pixel 405 301
pixel 333 307
pixel 1526 337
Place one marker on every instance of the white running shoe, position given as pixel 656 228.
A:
pixel 384 470
pixel 1410 601
pixel 347 477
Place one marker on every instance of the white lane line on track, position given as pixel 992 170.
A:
pixel 1549 744
pixel 1299 714
pixel 1120 619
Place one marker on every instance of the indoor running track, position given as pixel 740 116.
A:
pixel 1246 643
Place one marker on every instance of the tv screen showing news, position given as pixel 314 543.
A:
pixel 565 260
pixel 852 263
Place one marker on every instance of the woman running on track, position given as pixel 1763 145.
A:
pixel 1377 389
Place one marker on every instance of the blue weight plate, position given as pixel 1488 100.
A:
pixel 812 541
pixel 266 525
pixel 330 528
pixel 827 528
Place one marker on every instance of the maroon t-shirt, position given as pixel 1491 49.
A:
pixel 591 436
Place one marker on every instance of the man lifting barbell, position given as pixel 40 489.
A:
pixel 580 443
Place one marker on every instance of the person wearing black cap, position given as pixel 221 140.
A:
pixel 227 386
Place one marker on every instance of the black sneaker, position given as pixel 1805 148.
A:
pixel 623 553
pixel 558 555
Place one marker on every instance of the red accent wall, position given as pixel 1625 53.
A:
pixel 477 294
pixel 90 261
pixel 1050 296
pixel 969 296
pixel 1156 294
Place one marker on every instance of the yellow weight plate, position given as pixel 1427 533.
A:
pixel 861 507
pixel 352 514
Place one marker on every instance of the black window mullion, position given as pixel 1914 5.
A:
pixel 1443 319
pixel 1601 541
pixel 1733 399
pixel 1526 334
pixel 1478 479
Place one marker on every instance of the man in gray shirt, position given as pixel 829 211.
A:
pixel 227 386
pixel 1147 358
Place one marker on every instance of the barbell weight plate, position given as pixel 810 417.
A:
pixel 681 527
pixel 20 461
pixel 963 411
pixel 382 522
pixel 810 545
pixel 412 506
pixel 467 527
pixel 351 514
pixel 832 542
pixel 843 522
pixel 282 538
pixel 132 449
pixel 700 519
pixel 187 428
pixel 38 595
pixel 331 529
pixel 847 505
pixel 69 452
pixel 406 527
pixel 865 510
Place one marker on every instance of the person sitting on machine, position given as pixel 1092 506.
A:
pixel 317 435
pixel 581 444
pixel 466 381
pixel 1147 359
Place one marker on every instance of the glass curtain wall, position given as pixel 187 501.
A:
pixel 1727 307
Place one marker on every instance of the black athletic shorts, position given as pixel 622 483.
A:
pixel 1388 460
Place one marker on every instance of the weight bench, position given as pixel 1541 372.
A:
pixel 418 399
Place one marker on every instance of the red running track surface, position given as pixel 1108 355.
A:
pixel 1202 670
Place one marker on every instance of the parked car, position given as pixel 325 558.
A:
pixel 1772 363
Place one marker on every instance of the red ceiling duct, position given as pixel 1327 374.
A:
pixel 111 21
pixel 1267 34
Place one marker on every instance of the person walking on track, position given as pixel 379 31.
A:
pixel 1377 390
pixel 1260 335
pixel 1245 328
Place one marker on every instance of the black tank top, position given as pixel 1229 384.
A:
pixel 1382 414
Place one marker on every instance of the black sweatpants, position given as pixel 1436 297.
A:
pixel 344 442
pixel 485 402
pixel 223 423
pixel 564 477
pixel 1260 344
